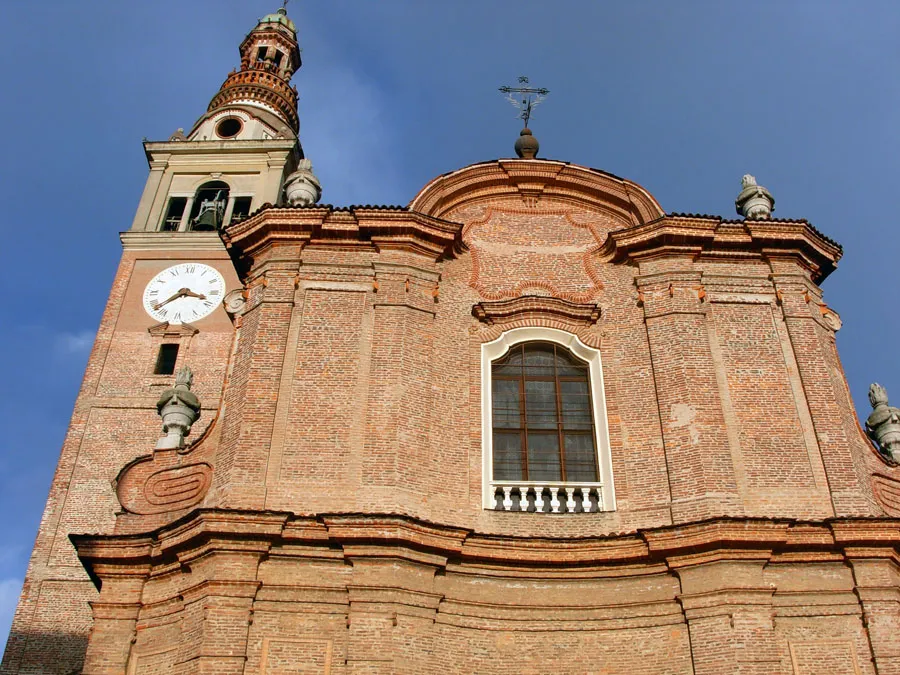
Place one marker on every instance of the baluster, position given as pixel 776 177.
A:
pixel 585 499
pixel 507 498
pixel 570 502
pixel 523 498
pixel 599 492
pixel 538 498
pixel 554 499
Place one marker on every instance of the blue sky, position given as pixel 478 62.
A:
pixel 682 97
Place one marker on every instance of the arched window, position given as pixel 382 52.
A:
pixel 543 426
pixel 544 431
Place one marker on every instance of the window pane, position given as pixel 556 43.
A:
pixel 543 456
pixel 569 366
pixel 539 360
pixel 540 401
pixel 508 456
pixel 581 457
pixel 506 404
pixel 575 397
pixel 511 364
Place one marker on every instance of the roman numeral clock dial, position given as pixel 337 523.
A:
pixel 184 293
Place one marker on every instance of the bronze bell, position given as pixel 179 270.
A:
pixel 207 220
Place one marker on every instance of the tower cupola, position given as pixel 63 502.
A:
pixel 243 152
pixel 270 56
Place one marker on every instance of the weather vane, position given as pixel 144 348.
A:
pixel 530 97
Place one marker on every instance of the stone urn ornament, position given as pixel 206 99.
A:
pixel 302 188
pixel 179 409
pixel 754 202
pixel 883 425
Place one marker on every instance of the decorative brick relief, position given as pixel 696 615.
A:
pixel 296 656
pixel 518 251
pixel 164 490
pixel 757 380
pixel 153 663
pixel 832 657
pixel 887 492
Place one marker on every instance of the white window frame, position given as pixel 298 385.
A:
pixel 491 351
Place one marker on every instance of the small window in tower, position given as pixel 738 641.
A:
pixel 173 214
pixel 165 360
pixel 278 58
pixel 241 209
pixel 229 127
pixel 261 54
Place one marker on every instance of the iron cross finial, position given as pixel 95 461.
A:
pixel 530 97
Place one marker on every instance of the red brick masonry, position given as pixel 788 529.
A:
pixel 327 515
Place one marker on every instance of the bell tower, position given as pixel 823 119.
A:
pixel 242 152
pixel 269 58
pixel 166 310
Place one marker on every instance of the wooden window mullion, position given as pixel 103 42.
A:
pixel 523 415
pixel 559 418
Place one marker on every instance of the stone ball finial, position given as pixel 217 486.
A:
pixel 883 425
pixel 527 145
pixel 302 188
pixel 754 202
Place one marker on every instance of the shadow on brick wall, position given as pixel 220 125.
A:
pixel 51 653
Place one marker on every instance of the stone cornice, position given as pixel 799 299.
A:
pixel 171 241
pixel 358 228
pixel 166 149
pixel 505 311
pixel 714 237
pixel 534 180
pixel 205 530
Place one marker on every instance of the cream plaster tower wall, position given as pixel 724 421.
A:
pixel 235 159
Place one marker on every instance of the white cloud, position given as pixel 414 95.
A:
pixel 9 598
pixel 68 344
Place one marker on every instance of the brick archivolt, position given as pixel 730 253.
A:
pixel 534 182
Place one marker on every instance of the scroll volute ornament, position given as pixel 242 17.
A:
pixel 883 425
pixel 167 482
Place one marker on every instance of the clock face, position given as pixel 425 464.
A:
pixel 184 293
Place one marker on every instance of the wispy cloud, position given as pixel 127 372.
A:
pixel 347 134
pixel 68 344
pixel 9 597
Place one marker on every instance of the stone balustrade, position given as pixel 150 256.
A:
pixel 547 497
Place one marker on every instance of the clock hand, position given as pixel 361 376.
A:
pixel 194 295
pixel 180 293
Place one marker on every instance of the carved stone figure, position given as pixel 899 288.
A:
pixel 883 425
pixel 302 188
pixel 754 201
pixel 179 409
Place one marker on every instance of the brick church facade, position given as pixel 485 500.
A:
pixel 529 423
